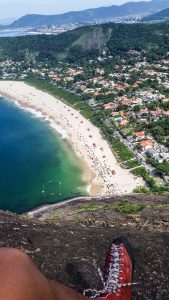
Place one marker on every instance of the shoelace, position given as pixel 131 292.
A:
pixel 111 284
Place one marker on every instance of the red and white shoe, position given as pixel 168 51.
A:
pixel 118 272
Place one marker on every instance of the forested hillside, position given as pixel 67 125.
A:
pixel 89 42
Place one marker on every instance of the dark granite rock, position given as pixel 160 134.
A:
pixel 71 253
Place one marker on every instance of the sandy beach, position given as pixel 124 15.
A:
pixel 96 156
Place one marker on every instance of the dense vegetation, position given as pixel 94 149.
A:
pixel 88 42
pixel 160 130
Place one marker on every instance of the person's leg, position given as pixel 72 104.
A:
pixel 20 279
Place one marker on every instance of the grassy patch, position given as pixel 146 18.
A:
pixel 123 152
pixel 129 130
pixel 141 190
pixel 132 164
pixel 56 215
pixel 86 208
pixel 126 207
pixel 139 171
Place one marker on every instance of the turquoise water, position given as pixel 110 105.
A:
pixel 16 33
pixel 37 166
pixel 13 33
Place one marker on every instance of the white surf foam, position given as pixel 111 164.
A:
pixel 38 114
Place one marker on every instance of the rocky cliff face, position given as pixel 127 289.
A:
pixel 72 242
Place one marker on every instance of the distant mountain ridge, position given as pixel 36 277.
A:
pixel 160 16
pixel 92 15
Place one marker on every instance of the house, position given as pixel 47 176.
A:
pixel 100 71
pixel 73 72
pixel 115 113
pixel 136 101
pixel 142 117
pixel 121 113
pixel 165 156
pixel 154 154
pixel 110 105
pixel 129 113
pixel 119 87
pixel 166 114
pixel 165 84
pixel 146 144
pixel 82 88
pixel 69 78
pixel 139 135
pixel 155 114
pixel 118 118
pixel 55 77
pixel 158 159
pixel 125 102
pixel 124 123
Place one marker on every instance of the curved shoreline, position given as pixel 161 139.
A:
pixel 87 175
pixel 85 138
pixel 49 207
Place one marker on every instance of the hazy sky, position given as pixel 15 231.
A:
pixel 17 8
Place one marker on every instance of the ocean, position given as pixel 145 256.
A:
pixel 5 33
pixel 13 33
pixel 37 164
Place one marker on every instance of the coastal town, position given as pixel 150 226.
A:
pixel 129 96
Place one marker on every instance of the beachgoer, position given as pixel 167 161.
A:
pixel 20 279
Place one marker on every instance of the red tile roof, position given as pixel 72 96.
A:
pixel 146 143
pixel 166 113
pixel 139 134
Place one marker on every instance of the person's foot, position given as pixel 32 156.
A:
pixel 118 272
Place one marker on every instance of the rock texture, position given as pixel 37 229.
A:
pixel 70 249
